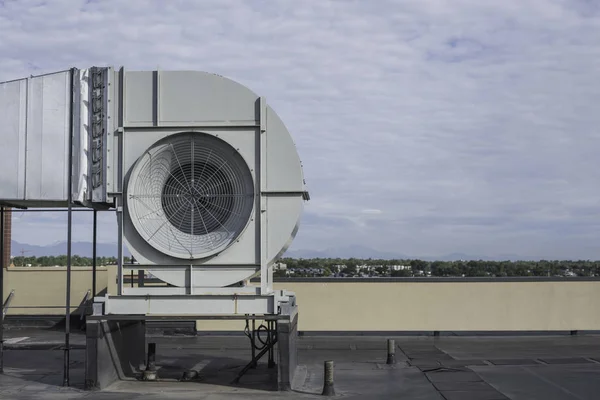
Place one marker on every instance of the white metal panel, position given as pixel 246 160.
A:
pixel 283 219
pixel 139 98
pixel 284 171
pixel 199 97
pixel 13 109
pixel 48 115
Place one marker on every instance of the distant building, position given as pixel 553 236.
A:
pixel 400 267
pixel 279 267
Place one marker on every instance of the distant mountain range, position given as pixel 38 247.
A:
pixel 84 249
pixel 345 252
pixel 363 252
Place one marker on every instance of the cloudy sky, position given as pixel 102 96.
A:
pixel 425 127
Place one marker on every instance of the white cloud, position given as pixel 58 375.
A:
pixel 472 125
pixel 372 211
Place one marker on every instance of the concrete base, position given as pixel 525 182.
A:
pixel 116 346
pixel 115 350
pixel 287 348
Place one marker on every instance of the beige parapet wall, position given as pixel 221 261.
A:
pixel 440 306
pixel 372 306
pixel 35 286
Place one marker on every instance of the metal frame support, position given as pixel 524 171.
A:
pixel 119 174
pixel 228 301
pixel 192 305
pixel 2 289
pixel 266 279
pixel 119 246
pixel 69 240
pixel 94 255
pixel 265 347
pixel 83 305
pixel 6 304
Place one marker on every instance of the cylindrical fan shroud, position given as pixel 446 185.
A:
pixel 190 195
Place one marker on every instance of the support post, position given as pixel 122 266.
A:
pixel 119 246
pixel 94 248
pixel 115 350
pixel 271 337
pixel 391 351
pixel 150 371
pixel 2 290
pixel 140 278
pixel 253 340
pixel 287 336
pixel 266 286
pixel 151 363
pixel 328 389
pixel 69 240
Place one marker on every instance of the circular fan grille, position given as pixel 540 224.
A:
pixel 190 195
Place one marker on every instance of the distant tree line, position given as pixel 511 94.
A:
pixel 415 267
pixel 51 261
pixel 350 267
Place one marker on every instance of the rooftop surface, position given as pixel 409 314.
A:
pixel 446 367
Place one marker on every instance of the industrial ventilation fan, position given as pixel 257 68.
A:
pixel 211 179
pixel 205 177
pixel 190 195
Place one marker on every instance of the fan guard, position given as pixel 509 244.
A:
pixel 190 195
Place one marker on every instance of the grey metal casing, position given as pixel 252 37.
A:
pixel 157 104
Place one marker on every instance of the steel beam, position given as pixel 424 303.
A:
pixel 205 291
pixel 190 305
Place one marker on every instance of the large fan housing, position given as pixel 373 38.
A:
pixel 212 183
pixel 190 195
